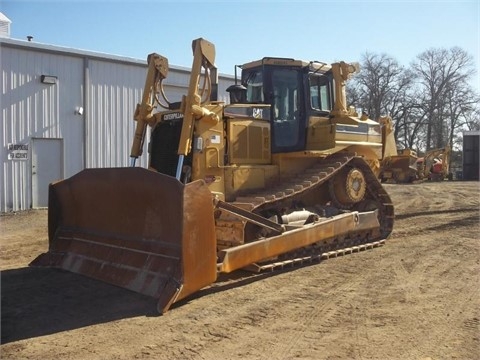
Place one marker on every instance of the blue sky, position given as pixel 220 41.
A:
pixel 243 31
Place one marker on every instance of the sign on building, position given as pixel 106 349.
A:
pixel 17 151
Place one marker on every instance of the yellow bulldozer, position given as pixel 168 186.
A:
pixel 283 174
pixel 400 167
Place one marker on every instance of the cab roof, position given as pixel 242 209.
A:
pixel 314 66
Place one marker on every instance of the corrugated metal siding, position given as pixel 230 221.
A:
pixel 113 92
pixel 178 80
pixel 32 109
pixel 107 88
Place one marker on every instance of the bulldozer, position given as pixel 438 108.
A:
pixel 400 167
pixel 435 165
pixel 283 174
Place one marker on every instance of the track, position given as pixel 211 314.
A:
pixel 296 188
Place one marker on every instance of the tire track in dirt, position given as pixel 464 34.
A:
pixel 425 282
pixel 420 277
pixel 313 319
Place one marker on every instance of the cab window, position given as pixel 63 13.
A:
pixel 254 85
pixel 319 93
pixel 286 119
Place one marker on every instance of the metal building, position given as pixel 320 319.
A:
pixel 471 150
pixel 64 110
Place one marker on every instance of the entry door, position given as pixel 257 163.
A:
pixel 47 166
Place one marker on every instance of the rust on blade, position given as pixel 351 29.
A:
pixel 133 228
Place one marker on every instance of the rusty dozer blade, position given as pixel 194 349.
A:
pixel 133 228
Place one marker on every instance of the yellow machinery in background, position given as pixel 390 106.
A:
pixel 400 168
pixel 435 165
pixel 283 174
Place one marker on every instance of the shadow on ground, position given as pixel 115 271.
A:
pixel 40 301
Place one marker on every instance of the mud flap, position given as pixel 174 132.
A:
pixel 133 228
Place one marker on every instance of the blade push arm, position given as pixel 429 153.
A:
pixel 157 72
pixel 342 71
pixel 203 57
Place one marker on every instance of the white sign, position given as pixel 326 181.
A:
pixel 215 139
pixel 17 151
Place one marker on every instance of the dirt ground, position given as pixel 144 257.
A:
pixel 417 297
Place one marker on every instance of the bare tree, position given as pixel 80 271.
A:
pixel 431 102
pixel 442 76
pixel 383 88
pixel 461 102
pixel 382 82
pixel 472 119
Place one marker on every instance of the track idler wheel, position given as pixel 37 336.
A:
pixel 348 188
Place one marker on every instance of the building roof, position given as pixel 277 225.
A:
pixel 4 18
pixel 33 45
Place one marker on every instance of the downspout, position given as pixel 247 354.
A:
pixel 86 110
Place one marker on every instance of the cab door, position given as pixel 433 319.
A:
pixel 285 93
